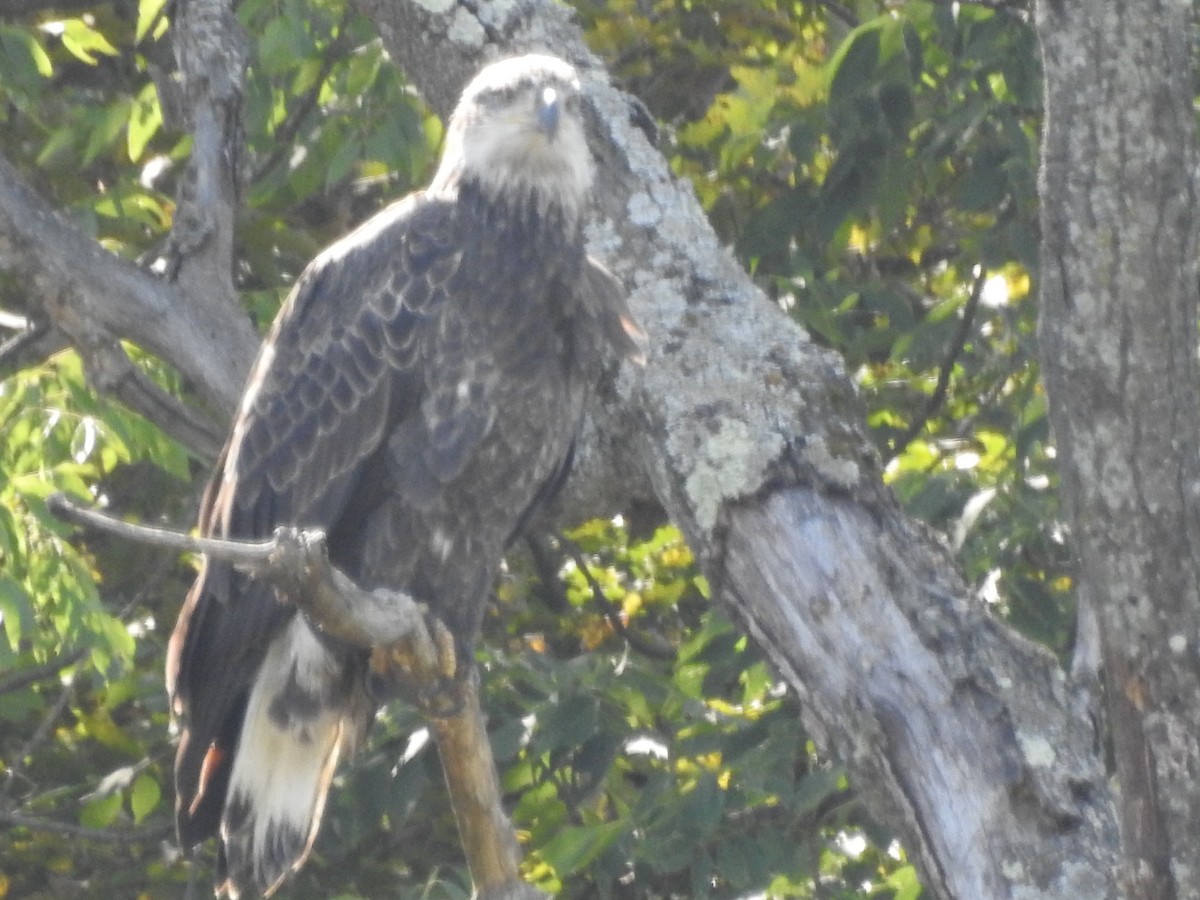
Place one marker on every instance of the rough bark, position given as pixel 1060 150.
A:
pixel 968 741
pixel 972 744
pixel 1118 345
pixel 192 316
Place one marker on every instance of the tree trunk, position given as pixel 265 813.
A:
pixel 971 743
pixel 1118 345
pixel 967 740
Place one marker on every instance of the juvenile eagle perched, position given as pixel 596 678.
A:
pixel 417 399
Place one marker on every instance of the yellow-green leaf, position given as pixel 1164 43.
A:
pixel 148 13
pixel 83 41
pixel 144 797
pixel 101 812
pixel 145 118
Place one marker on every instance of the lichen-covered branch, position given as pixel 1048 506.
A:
pixel 964 738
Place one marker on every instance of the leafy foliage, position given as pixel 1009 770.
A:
pixel 873 169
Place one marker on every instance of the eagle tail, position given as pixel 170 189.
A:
pixel 301 717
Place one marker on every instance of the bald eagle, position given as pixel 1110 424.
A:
pixel 417 398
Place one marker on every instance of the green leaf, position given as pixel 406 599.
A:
pixel 144 797
pixel 145 118
pixel 346 155
pixel 84 42
pixel 148 13
pixel 567 723
pixel 16 611
pixel 22 58
pixel 575 847
pixel 106 126
pixel 904 882
pixel 284 44
pixel 854 63
pixel 101 812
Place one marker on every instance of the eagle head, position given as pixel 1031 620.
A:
pixel 518 133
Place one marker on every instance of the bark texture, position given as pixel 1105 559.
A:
pixel 972 744
pixel 1118 345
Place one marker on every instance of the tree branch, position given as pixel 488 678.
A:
pixel 101 835
pixel 24 677
pixel 404 641
pixel 89 295
pixel 30 347
pixel 211 52
pixel 16 768
pixel 957 345
pixel 650 645
pixel 297 562
pixel 736 418
pixel 112 372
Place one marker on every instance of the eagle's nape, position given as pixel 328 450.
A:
pixel 417 399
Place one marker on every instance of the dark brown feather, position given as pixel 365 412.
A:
pixel 417 398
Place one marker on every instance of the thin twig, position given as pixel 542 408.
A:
pixel 957 344
pixel 248 556
pixel 111 371
pixel 285 135
pixel 647 644
pixel 297 562
pixel 24 677
pixel 17 767
pixel 103 835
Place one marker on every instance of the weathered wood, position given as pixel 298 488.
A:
pixel 487 835
pixel 974 746
pixel 964 738
pixel 951 725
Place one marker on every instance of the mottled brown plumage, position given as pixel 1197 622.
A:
pixel 418 399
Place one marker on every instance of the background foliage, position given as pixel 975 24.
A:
pixel 871 163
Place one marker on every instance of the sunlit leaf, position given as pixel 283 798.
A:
pixel 574 847
pixel 16 611
pixel 84 41
pixel 148 16
pixel 101 812
pixel 145 118
pixel 144 796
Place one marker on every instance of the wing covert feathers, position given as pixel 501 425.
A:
pixel 417 399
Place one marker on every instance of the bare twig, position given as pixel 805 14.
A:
pixel 113 372
pixel 16 767
pixel 283 140
pixel 647 644
pixel 24 677
pixel 103 835
pixel 947 368
pixel 295 561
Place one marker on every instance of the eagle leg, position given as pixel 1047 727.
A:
pixel 427 674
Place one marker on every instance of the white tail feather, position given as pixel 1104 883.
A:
pixel 289 748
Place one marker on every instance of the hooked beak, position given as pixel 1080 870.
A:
pixel 548 108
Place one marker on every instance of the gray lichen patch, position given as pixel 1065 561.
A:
pixel 465 29
pixel 730 463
